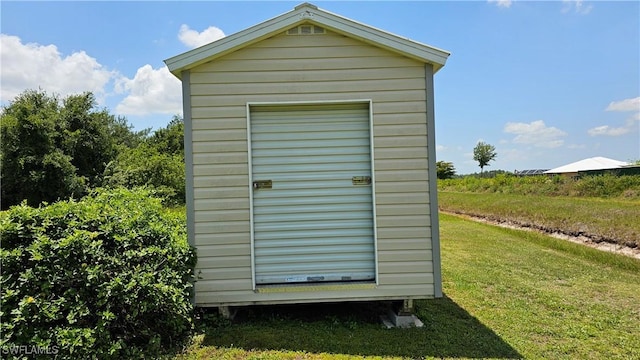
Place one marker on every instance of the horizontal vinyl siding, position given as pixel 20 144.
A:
pixel 410 100
pixel 338 86
pixel 293 64
pixel 309 68
pixel 305 76
pixel 211 294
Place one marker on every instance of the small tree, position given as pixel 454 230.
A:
pixel 445 170
pixel 483 153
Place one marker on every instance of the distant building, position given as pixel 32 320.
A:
pixel 590 164
pixel 621 171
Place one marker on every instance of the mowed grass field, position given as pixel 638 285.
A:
pixel 612 220
pixel 508 294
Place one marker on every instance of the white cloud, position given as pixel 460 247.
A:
pixel 150 91
pixel 194 39
pixel 501 3
pixel 608 130
pixel 625 105
pixel 577 6
pixel 35 66
pixel 535 133
pixel 440 148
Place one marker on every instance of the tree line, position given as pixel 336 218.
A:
pixel 53 149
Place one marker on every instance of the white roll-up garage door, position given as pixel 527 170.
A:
pixel 312 194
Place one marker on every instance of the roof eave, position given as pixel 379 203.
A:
pixel 208 52
pixel 301 14
pixel 402 45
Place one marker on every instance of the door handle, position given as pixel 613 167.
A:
pixel 361 180
pixel 262 184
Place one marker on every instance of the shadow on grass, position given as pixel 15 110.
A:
pixel 355 329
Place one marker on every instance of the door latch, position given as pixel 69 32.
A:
pixel 262 184
pixel 361 180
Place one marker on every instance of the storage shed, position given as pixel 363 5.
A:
pixel 310 163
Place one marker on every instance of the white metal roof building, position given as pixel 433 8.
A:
pixel 594 163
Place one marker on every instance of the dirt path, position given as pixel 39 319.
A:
pixel 584 240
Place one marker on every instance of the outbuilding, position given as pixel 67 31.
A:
pixel 310 163
pixel 597 163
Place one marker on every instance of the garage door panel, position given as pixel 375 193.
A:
pixel 313 224
pixel 310 252
pixel 292 170
pixel 314 209
pixel 310 160
pixel 308 143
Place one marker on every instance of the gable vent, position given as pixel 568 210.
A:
pixel 306 30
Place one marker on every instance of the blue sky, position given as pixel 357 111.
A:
pixel 546 83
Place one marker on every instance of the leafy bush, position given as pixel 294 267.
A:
pixel 105 277
pixel 608 185
pixel 145 165
pixel 157 162
pixel 170 139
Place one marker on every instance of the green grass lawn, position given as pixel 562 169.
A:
pixel 508 294
pixel 545 297
pixel 613 219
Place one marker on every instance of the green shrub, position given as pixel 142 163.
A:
pixel 605 186
pixel 105 277
pixel 145 165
